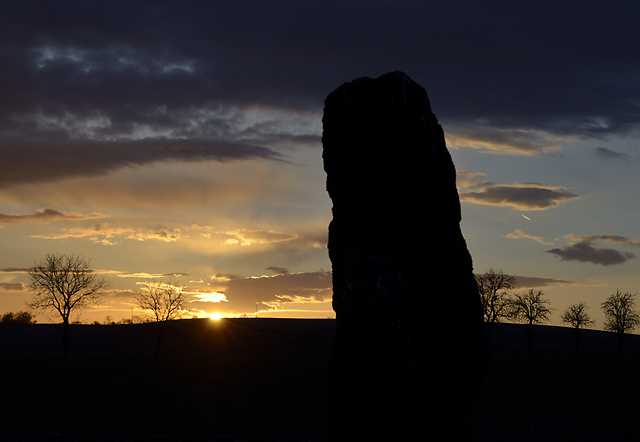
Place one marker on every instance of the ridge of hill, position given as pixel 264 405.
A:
pixel 258 336
pixel 180 338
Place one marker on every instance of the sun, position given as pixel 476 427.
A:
pixel 215 316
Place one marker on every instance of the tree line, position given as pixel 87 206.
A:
pixel 531 307
pixel 11 319
pixel 65 284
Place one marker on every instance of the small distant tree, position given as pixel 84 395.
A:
pixel 494 296
pixel 530 307
pixel 620 315
pixel 16 319
pixel 137 319
pixel 576 315
pixel 166 302
pixel 64 284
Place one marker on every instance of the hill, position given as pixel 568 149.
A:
pixel 182 338
pixel 259 336
pixel 265 379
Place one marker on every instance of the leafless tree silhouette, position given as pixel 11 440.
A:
pixel 577 316
pixel 166 301
pixel 493 287
pixel 620 315
pixel 530 307
pixel 64 283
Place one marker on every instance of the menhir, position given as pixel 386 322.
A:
pixel 409 350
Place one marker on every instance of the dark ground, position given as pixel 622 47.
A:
pixel 260 379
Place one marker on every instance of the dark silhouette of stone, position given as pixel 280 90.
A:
pixel 410 350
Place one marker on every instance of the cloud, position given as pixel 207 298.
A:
pixel 127 294
pixel 521 196
pixel 517 234
pixel 467 180
pixel 164 188
pixel 127 94
pixel 536 281
pixel 608 154
pixel 104 233
pixel 164 235
pixel 273 292
pixel 584 252
pixel 107 230
pixel 246 237
pixel 582 249
pixel 604 238
pixel 207 296
pixel 141 275
pixel 503 140
pixel 47 215
pixel 12 286
pixel 27 161
pixel 278 270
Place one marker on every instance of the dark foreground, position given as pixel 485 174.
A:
pixel 265 380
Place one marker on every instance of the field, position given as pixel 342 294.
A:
pixel 556 394
pixel 265 379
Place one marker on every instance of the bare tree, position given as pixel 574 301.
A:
pixel 577 316
pixel 530 307
pixel 620 315
pixel 64 284
pixel 165 301
pixel 493 287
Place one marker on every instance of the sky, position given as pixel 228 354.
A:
pixel 181 142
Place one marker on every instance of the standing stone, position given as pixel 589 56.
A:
pixel 409 351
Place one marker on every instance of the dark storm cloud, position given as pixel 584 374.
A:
pixel 582 249
pixel 42 160
pixel 106 85
pixel 585 252
pixel 520 196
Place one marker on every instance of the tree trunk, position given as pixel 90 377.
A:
pixel 65 338
pixel 489 326
pixel 620 342
pixel 161 326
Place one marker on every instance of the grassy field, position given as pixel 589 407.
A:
pixel 240 378
pixel 559 397
pixel 249 377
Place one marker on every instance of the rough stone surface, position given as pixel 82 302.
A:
pixel 409 350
